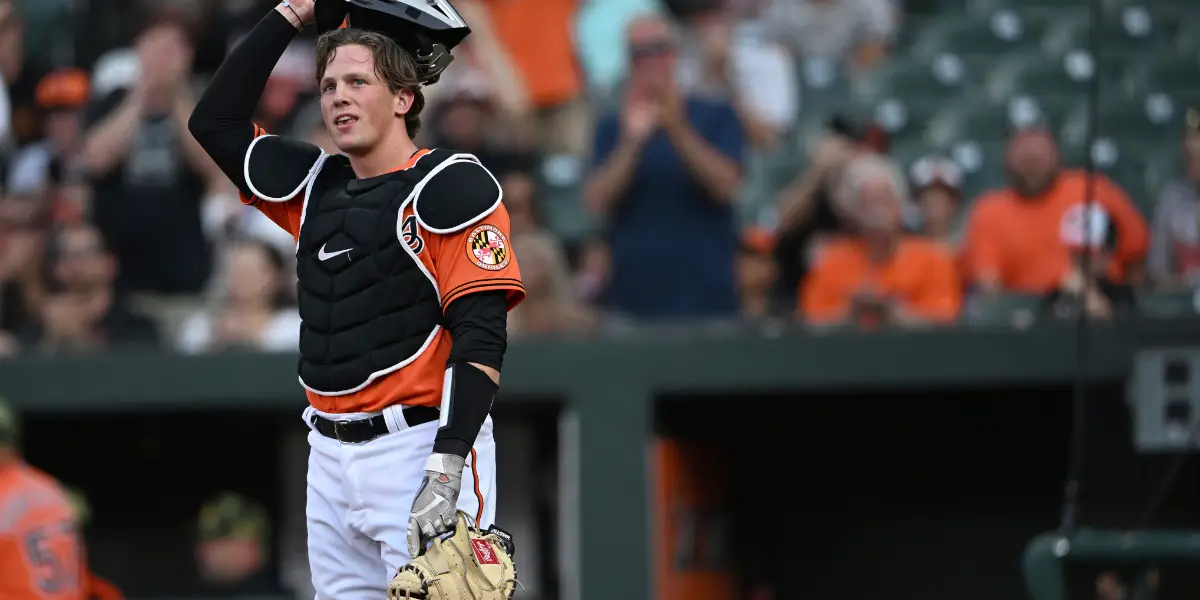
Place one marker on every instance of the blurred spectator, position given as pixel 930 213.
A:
pixel 11 55
pixel 599 30
pixel 465 119
pixel 554 309
pixel 520 188
pixel 291 84
pixel 593 270
pixel 22 291
pixel 852 33
pixel 150 176
pixel 757 275
pixel 51 165
pixel 878 275
pixel 485 66
pixel 21 73
pixel 667 169
pixel 808 213
pixel 232 547
pixel 257 312
pixel 537 37
pixel 1020 238
pixel 728 58
pixel 937 185
pixel 84 311
pixel 1174 258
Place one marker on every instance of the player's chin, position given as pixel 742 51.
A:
pixel 351 144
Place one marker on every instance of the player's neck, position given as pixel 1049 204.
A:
pixel 392 153
pixel 8 458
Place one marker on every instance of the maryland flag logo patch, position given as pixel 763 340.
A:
pixel 488 248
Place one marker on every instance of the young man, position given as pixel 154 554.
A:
pixel 405 279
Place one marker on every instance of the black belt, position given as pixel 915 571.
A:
pixel 360 431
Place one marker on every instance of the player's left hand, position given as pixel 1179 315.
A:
pixel 434 509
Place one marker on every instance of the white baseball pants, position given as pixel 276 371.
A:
pixel 360 497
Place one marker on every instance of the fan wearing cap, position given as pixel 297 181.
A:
pixel 405 278
pixel 38 168
pixel 1024 238
pixel 231 549
pixel 937 186
pixel 1174 259
pixel 41 554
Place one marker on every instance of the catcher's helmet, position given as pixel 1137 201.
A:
pixel 427 29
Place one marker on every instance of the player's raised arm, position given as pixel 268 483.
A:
pixel 221 122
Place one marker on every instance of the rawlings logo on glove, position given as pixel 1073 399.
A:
pixel 469 565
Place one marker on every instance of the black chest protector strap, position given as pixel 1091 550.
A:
pixel 277 168
pixel 456 193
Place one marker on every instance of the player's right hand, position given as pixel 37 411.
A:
pixel 304 10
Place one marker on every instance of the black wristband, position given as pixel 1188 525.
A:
pixel 465 406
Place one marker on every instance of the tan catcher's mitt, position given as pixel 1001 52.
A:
pixel 469 565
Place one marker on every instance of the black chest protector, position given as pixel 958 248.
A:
pixel 368 305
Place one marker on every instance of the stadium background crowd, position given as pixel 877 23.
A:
pixel 819 161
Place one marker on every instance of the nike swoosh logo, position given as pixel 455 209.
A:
pixel 437 500
pixel 323 255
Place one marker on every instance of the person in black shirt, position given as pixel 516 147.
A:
pixel 149 175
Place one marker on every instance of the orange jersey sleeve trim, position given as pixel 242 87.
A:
pixel 478 259
pixel 513 286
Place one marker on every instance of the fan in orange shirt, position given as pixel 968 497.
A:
pixel 879 276
pixel 1024 238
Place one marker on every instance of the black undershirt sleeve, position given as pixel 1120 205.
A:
pixel 222 120
pixel 478 326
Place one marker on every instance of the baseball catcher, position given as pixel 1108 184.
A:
pixel 405 277
pixel 468 565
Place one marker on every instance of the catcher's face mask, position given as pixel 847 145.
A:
pixel 427 29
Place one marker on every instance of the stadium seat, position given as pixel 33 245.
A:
pixel 1129 30
pixel 1173 75
pixel 1038 77
pixel 1187 38
pixel 995 34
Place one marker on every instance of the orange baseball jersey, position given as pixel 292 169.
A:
pixel 1027 244
pixel 477 259
pixel 41 552
pixel 921 276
